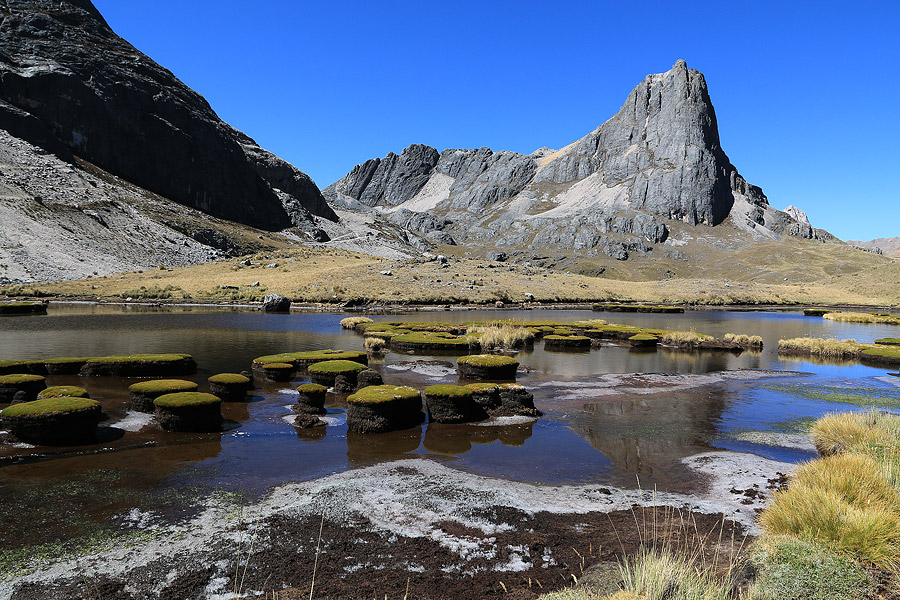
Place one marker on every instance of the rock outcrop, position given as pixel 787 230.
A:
pixel 886 246
pixel 70 85
pixel 655 165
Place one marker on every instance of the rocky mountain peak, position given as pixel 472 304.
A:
pixel 653 166
pixel 69 84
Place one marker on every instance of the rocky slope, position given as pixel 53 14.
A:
pixel 647 176
pixel 71 86
pixel 886 246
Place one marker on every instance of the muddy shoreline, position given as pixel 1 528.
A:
pixel 443 533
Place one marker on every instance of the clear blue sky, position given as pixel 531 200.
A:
pixel 806 93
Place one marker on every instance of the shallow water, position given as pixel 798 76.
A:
pixel 621 434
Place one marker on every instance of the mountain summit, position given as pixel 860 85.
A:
pixel 654 167
pixel 70 85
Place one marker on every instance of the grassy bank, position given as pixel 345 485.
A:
pixel 338 276
pixel 833 533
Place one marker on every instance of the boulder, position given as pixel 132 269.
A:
pixel 276 303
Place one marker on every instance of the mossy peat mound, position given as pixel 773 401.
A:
pixel 311 399
pixel 63 391
pixel 277 371
pixel 643 340
pixel 430 341
pixel 381 408
pixel 20 387
pixel 567 342
pixel 140 365
pixel 142 394
pixel 230 387
pixel 487 367
pixel 53 421
pixel 452 404
pixel 189 411
pixel 302 360
pixel 515 400
pixel 326 373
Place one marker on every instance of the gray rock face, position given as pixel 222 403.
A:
pixel 617 192
pixel 70 85
pixel 276 303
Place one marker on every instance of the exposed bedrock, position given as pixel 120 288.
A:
pixel 97 97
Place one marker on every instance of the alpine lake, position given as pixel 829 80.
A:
pixel 612 415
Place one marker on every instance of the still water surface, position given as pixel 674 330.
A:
pixel 586 434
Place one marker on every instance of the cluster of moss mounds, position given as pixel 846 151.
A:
pixel 53 421
pixel 326 372
pixel 380 408
pixel 311 399
pixel 65 365
pixel 887 355
pixel 63 391
pixel 189 411
pixel 487 367
pixel 140 365
pixel 302 360
pixel 643 340
pixel 230 387
pixel 440 341
pixel 20 387
pixel 23 308
pixel 452 404
pixel 142 394
pixel 567 342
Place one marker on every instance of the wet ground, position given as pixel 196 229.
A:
pixel 607 424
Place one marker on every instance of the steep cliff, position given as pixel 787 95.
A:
pixel 71 86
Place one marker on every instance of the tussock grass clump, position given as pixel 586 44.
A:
pixel 869 533
pixel 375 345
pixel 848 501
pixel 823 348
pixel 858 317
pixel 352 322
pixel 501 336
pixel 63 391
pixel 682 338
pixel 665 574
pixel 748 341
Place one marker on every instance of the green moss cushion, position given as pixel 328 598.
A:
pixel 888 355
pixel 63 391
pixel 46 406
pixel 376 394
pixel 54 421
pixel 18 379
pixel 230 379
pixel 136 365
pixel 186 399
pixel 312 356
pixel 488 360
pixel 158 387
pixel 336 366
pixel 448 391
pixel 380 408
pixel 275 366
pixel 311 388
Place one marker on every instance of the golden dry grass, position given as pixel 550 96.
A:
pixel 336 276
pixel 820 347
pixel 352 322
pixel 502 336
pixel 858 317
pixel 750 341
